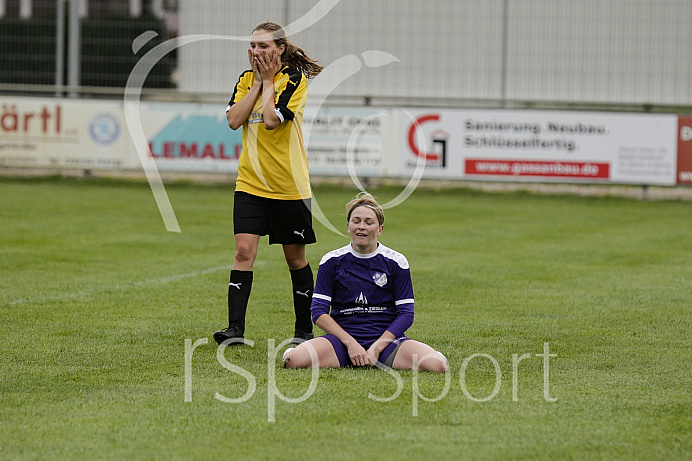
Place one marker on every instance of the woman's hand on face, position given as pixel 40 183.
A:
pixel 358 355
pixel 254 65
pixel 269 64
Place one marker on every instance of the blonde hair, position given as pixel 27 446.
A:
pixel 366 200
pixel 293 56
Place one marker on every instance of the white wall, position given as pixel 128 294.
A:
pixel 613 51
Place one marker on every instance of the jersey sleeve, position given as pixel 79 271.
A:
pixel 291 93
pixel 241 88
pixel 324 287
pixel 403 300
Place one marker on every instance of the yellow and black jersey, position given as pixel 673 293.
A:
pixel 273 163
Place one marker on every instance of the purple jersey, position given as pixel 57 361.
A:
pixel 368 294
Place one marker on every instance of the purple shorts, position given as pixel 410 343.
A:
pixel 386 356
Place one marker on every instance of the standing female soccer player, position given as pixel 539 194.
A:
pixel 368 287
pixel 273 193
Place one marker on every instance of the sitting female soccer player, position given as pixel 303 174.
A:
pixel 368 287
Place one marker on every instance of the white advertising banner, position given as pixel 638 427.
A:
pixel 491 145
pixel 540 145
pixel 64 133
pixel 181 137
pixel 194 138
pixel 341 141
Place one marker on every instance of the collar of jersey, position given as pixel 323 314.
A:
pixel 369 255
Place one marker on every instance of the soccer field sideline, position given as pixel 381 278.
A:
pixel 90 270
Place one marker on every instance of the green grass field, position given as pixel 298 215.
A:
pixel 101 307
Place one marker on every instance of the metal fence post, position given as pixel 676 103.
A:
pixel 74 52
pixel 505 52
pixel 60 47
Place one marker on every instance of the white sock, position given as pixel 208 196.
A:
pixel 283 357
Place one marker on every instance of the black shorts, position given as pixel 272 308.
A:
pixel 286 222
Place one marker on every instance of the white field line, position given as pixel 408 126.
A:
pixel 123 286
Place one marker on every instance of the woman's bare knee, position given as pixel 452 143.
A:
pixel 245 255
pixel 295 256
pixel 296 359
pixel 319 350
pixel 245 251
pixel 437 364
pixel 414 354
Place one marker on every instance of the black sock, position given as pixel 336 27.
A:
pixel 239 289
pixel 303 284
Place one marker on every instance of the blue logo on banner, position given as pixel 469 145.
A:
pixel 104 129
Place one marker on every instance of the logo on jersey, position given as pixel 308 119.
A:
pixel 255 117
pixel 380 279
pixel 361 299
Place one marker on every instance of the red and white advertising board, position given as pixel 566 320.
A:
pixel 685 150
pixel 522 145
